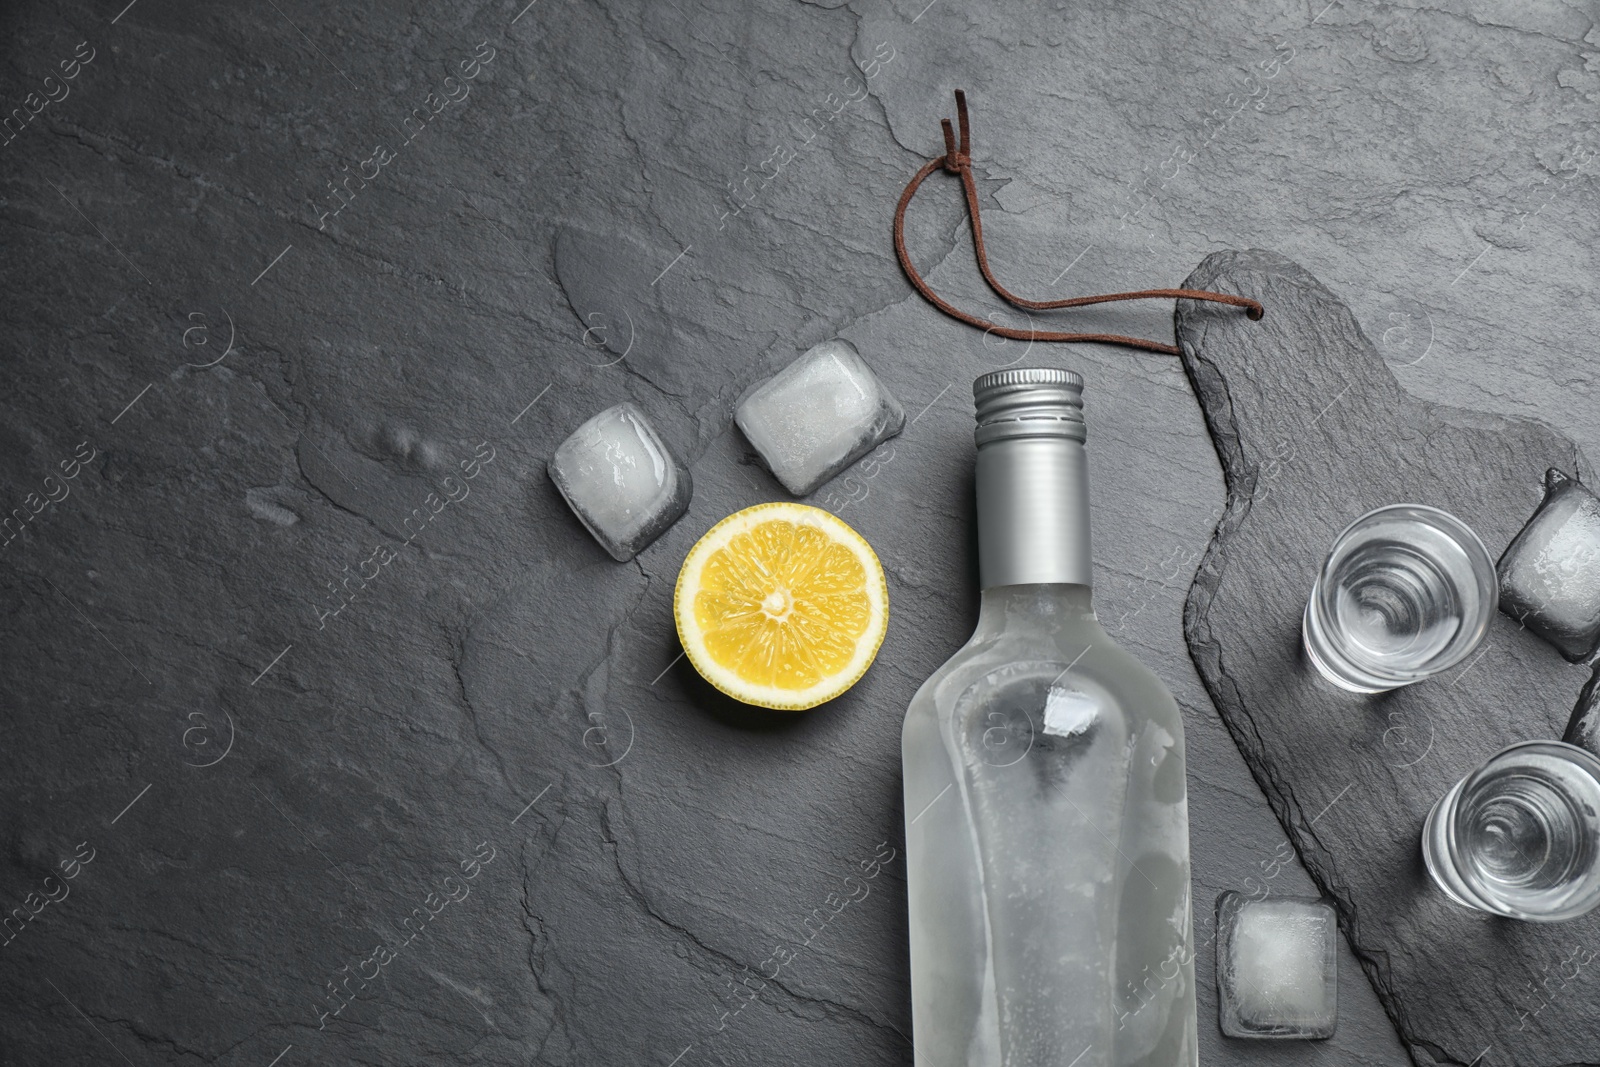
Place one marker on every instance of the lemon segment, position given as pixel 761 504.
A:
pixel 781 605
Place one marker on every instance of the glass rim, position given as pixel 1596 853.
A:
pixel 1573 753
pixel 1450 522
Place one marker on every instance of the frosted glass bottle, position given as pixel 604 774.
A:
pixel 1047 831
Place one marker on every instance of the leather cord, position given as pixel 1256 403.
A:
pixel 957 159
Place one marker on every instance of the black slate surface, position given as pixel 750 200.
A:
pixel 1583 729
pixel 310 784
pixel 1313 430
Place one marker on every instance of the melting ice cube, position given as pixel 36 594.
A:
pixel 1276 966
pixel 818 415
pixel 621 480
pixel 1550 573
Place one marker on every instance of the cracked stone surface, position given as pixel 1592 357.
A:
pixel 309 635
pixel 1352 778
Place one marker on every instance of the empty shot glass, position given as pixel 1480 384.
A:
pixel 1406 592
pixel 1520 836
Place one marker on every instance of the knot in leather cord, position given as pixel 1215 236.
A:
pixel 957 160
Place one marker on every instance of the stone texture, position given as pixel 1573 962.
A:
pixel 1424 161
pixel 1583 729
pixel 1308 443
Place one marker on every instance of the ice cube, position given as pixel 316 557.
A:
pixel 621 480
pixel 1550 573
pixel 818 415
pixel 1277 964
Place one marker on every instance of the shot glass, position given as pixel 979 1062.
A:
pixel 1406 592
pixel 1520 836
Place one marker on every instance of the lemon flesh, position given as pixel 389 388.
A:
pixel 782 606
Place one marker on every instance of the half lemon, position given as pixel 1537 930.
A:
pixel 782 606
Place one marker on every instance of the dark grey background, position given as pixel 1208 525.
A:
pixel 1428 164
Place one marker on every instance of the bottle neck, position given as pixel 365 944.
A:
pixel 1033 513
pixel 1033 608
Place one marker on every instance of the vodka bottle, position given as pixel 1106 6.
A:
pixel 1047 831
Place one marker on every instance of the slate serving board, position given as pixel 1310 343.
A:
pixel 1312 430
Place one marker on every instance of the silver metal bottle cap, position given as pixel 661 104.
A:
pixel 1030 402
pixel 1033 478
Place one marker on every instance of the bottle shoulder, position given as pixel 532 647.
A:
pixel 1084 655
